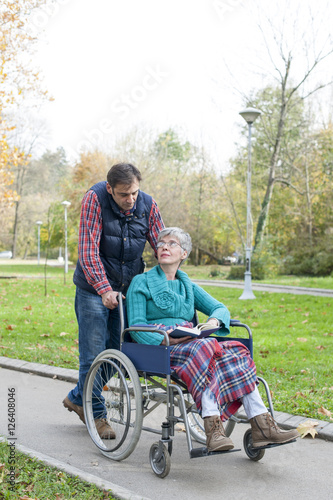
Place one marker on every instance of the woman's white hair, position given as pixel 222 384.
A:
pixel 183 238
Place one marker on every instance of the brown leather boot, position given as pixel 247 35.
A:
pixel 104 430
pixel 266 431
pixel 216 438
pixel 73 407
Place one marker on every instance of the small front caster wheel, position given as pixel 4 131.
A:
pixel 160 460
pixel 253 453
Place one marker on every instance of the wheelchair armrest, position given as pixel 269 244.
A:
pixel 237 322
pixel 144 329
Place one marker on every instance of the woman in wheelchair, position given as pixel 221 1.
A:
pixel 221 376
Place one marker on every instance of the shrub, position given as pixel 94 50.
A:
pixel 310 261
pixel 215 271
pixel 263 265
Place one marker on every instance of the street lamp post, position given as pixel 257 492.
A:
pixel 66 204
pixel 249 115
pixel 39 223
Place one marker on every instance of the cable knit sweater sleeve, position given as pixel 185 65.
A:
pixel 137 296
pixel 206 304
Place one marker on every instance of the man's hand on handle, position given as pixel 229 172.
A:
pixel 110 299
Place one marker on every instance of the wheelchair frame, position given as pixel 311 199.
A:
pixel 126 386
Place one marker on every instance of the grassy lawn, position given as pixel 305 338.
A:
pixel 293 334
pixel 33 479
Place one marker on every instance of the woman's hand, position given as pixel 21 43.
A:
pixel 213 321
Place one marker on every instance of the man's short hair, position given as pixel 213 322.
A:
pixel 123 173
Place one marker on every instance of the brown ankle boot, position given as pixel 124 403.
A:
pixel 73 407
pixel 104 429
pixel 266 431
pixel 216 438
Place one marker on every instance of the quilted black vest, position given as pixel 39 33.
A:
pixel 122 241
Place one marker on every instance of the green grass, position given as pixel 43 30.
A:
pixel 24 269
pixel 38 327
pixel 293 335
pixel 33 479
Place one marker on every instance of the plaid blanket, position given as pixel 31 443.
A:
pixel 226 368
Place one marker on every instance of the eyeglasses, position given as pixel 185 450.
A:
pixel 171 244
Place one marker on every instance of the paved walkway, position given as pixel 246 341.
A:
pixel 263 287
pixel 300 470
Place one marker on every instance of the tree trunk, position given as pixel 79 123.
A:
pixel 262 220
pixel 15 228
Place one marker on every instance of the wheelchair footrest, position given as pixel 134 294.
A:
pixel 273 445
pixel 203 452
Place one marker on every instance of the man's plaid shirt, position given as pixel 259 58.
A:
pixel 91 227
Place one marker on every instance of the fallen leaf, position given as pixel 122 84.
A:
pixel 307 427
pixel 325 412
pixel 305 321
pixel 27 308
pixel 30 487
pixel 10 327
pixel 302 339
pixel 320 347
pixel 180 428
pixel 44 335
pixel 62 334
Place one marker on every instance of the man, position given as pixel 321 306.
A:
pixel 116 221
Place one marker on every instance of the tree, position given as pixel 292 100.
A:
pixel 17 82
pixel 293 90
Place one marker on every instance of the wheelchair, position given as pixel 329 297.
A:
pixel 126 386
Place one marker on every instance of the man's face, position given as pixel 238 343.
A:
pixel 124 195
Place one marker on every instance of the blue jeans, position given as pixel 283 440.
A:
pixel 99 329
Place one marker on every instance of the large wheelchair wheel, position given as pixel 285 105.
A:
pixel 196 424
pixel 112 391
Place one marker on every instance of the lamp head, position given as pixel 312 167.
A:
pixel 250 114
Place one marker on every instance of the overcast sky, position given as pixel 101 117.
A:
pixel 113 64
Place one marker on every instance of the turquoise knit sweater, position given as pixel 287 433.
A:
pixel 151 298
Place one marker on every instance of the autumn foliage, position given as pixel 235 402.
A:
pixel 17 82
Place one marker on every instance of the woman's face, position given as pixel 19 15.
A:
pixel 169 251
